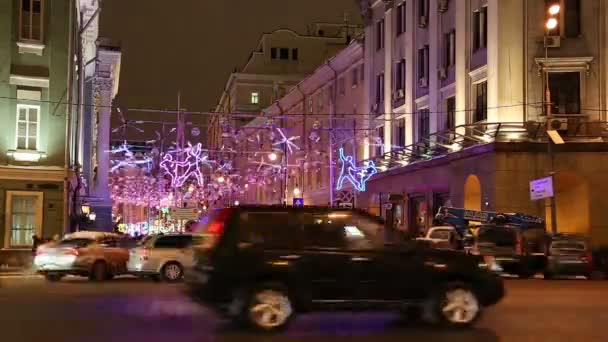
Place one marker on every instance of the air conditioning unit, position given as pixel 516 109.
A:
pixel 559 124
pixel 400 93
pixel 423 21
pixel 443 6
pixel 423 82
pixel 553 41
pixel 442 73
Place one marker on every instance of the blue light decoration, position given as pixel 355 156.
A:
pixel 357 176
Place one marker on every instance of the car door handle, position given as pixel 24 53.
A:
pixel 359 259
pixel 290 257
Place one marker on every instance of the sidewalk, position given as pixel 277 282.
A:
pixel 6 270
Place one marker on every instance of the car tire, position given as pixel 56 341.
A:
pixel 99 271
pixel 268 309
pixel 455 306
pixel 53 277
pixel 172 272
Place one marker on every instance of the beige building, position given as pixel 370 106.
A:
pixel 460 84
pixel 325 109
pixel 281 59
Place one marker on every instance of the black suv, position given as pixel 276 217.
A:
pixel 260 265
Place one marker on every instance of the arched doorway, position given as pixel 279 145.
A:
pixel 472 193
pixel 572 202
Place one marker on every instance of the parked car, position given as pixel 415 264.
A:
pixel 443 237
pixel 97 255
pixel 261 265
pixel 162 256
pixel 568 255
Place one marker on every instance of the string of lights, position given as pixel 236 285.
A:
pixel 334 116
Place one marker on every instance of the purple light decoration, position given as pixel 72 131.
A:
pixel 357 176
pixel 180 171
pixel 289 144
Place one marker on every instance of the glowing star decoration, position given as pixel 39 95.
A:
pixel 180 171
pixel 289 144
pixel 129 158
pixel 357 176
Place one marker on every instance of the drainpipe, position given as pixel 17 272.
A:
pixel 332 111
pixel 68 122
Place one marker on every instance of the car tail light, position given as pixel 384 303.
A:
pixel 71 251
pixel 216 226
pixel 518 245
pixel 145 254
pixel 586 258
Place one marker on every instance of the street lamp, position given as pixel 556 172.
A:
pixel 92 216
pixel 220 179
pixel 296 191
pixel 85 209
pixel 554 9
pixel 272 156
pixel 551 24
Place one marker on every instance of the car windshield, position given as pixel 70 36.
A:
pixel 500 236
pixel 79 243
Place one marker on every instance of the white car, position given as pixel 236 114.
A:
pixel 442 237
pixel 162 256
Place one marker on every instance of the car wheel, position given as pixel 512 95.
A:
pixel 269 309
pixel 172 272
pixel 53 277
pixel 458 306
pixel 98 271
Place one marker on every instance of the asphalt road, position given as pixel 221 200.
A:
pixel 133 310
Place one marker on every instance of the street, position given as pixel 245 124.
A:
pixel 127 309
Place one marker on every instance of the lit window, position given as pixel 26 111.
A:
pixel 25 218
pixel 28 119
pixel 255 98
pixel 31 20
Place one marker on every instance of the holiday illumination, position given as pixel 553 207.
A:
pixel 289 145
pixel 180 171
pixel 357 176
pixel 129 158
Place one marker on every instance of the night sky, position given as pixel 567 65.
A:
pixel 195 45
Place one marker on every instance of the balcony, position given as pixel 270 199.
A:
pixel 465 137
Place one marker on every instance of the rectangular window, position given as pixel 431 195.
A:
pixel 565 88
pixel 424 128
pixel 355 76
pixel 400 133
pixel 423 66
pixel 480 28
pixel 380 34
pixel 379 143
pixel 341 86
pixel 400 78
pixel 449 49
pixel 423 13
pixel 400 18
pixel 25 219
pixel 481 102
pixel 294 54
pixel 380 89
pixel 284 53
pixel 28 119
pixel 31 20
pixel 450 120
pixel 273 53
pixel 255 97
pixel 310 105
pixel 572 17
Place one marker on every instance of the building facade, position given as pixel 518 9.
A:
pixel 40 149
pixel 326 111
pixel 281 59
pixel 458 95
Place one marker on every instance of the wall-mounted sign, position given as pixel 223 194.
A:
pixel 541 188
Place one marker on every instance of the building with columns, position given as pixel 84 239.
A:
pixel 461 93
pixel 41 150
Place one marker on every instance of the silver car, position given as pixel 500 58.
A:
pixel 97 255
pixel 162 257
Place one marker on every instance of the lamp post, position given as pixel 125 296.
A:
pixel 550 24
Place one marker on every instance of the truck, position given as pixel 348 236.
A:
pixel 514 241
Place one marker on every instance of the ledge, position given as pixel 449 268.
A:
pixel 33 48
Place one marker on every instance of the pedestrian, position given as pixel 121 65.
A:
pixel 36 241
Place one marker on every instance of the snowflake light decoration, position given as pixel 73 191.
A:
pixel 129 158
pixel 289 144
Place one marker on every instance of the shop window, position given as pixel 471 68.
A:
pixel 25 218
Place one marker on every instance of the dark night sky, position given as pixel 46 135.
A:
pixel 195 45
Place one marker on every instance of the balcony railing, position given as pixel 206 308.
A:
pixel 440 144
